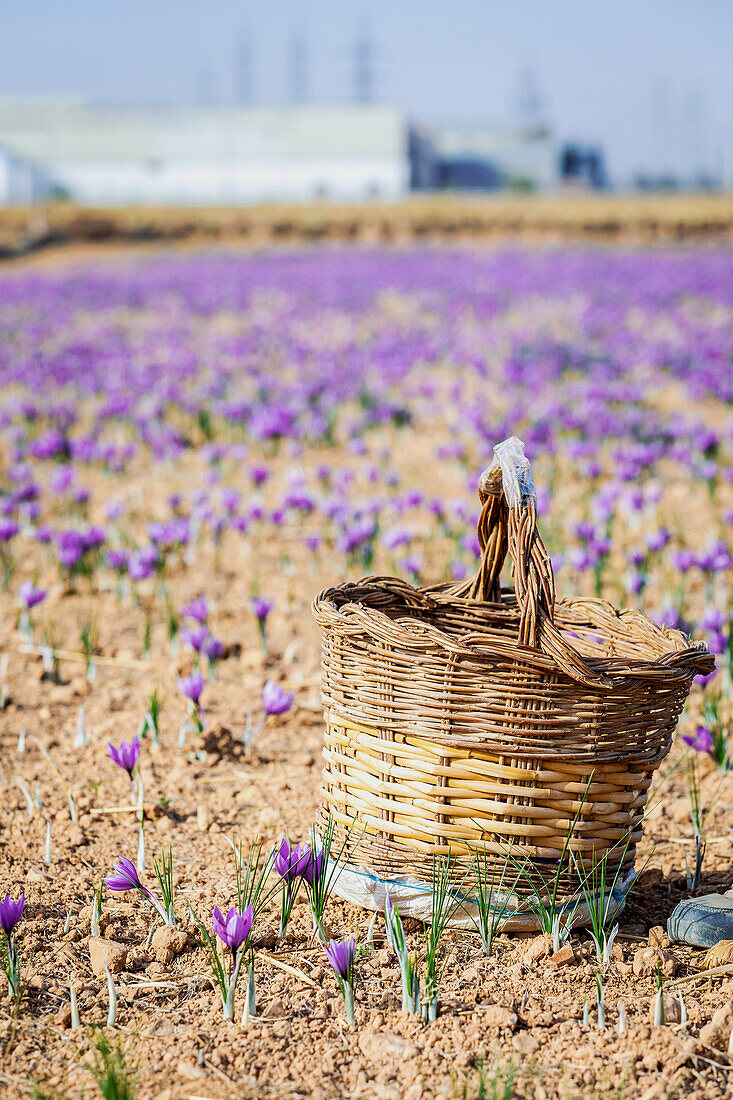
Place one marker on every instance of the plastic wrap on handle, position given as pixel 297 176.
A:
pixel 516 475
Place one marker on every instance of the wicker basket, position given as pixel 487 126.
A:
pixel 464 717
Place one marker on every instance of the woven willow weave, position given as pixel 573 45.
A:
pixel 464 717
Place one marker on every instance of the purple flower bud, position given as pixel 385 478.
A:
pixel 127 755
pixel 195 636
pixel 233 929
pixel 126 877
pixel 262 607
pixel 142 563
pixel 657 540
pixel 192 686
pixel 8 530
pixel 213 648
pixel 314 868
pixel 291 862
pixel 117 560
pixel 11 912
pixel 197 609
pixel 341 957
pixel 275 699
pixel 701 740
pixel 682 560
pixel 30 595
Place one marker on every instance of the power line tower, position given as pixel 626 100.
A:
pixel 298 67
pixel 244 72
pixel 529 98
pixel 363 67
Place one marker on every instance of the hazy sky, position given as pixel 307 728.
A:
pixel 650 80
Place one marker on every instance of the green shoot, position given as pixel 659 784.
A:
pixel 164 874
pixel 114 1079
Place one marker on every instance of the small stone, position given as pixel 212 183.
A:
pixel 63 1016
pixel 203 819
pixel 386 1046
pixel 538 949
pixel 80 686
pixel 499 1016
pixel 526 1043
pixel 716 1032
pixel 168 942
pixel 658 937
pixel 647 960
pixel 563 957
pixel 275 1009
pixel 114 953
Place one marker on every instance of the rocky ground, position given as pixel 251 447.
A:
pixel 519 1010
pixel 510 1024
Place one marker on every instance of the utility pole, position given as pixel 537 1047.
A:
pixel 298 67
pixel 363 67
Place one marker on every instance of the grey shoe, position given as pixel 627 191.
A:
pixel 703 921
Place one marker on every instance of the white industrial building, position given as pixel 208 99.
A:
pixel 228 155
pixel 216 155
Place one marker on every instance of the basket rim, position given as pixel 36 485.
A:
pixel 342 607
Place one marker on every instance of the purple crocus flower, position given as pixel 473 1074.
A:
pixel 127 755
pixel 314 868
pixel 29 595
pixel 142 563
pixel 195 636
pixel 234 928
pixel 275 699
pixel 196 609
pixel 701 740
pixel 291 862
pixel 8 530
pixel 262 607
pixel 213 648
pixel 125 878
pixel 341 957
pixel 117 560
pixel 192 686
pixel 11 912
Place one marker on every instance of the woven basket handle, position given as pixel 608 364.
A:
pixel 508 524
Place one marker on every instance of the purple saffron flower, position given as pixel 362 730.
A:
pixel 258 474
pixel 195 636
pixel 657 540
pixel 341 957
pixel 127 755
pixel 142 563
pixel 8 530
pixel 291 862
pixel 192 686
pixel 275 699
pixel 213 648
pixel 117 560
pixel 30 595
pixel 314 867
pixel 196 609
pixel 233 929
pixel 11 912
pixel 701 740
pixel 126 877
pixel 262 607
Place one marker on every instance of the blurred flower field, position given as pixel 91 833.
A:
pixel 191 448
